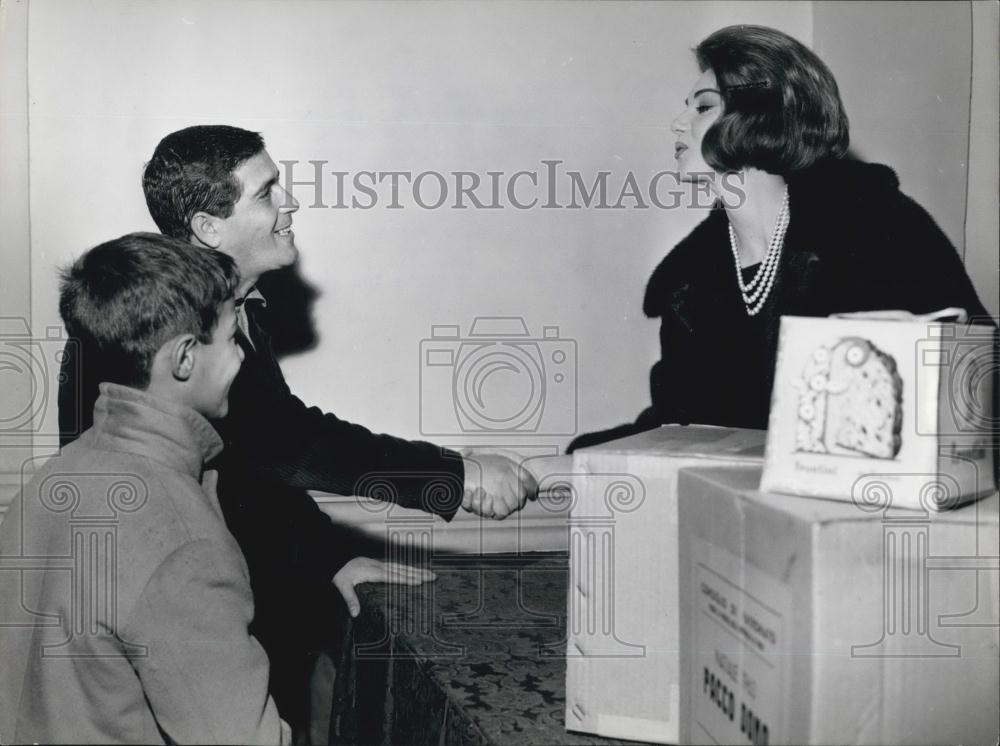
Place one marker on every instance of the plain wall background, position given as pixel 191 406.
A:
pixel 904 79
pixel 982 227
pixel 16 388
pixel 429 86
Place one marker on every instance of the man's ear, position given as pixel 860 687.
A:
pixel 205 230
pixel 182 356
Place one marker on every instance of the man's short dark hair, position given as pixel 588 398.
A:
pixel 125 298
pixel 781 107
pixel 191 171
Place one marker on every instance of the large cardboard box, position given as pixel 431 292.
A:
pixel 815 622
pixel 863 407
pixel 623 666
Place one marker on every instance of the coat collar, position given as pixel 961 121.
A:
pixel 254 297
pixel 132 421
pixel 820 199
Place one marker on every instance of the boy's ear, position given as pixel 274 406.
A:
pixel 205 229
pixel 182 356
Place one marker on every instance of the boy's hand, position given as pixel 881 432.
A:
pixel 368 570
pixel 495 485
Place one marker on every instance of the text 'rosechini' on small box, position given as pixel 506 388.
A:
pixel 814 621
pixel 862 407
pixel 622 668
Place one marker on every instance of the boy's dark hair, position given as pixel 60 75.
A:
pixel 125 298
pixel 191 171
pixel 781 107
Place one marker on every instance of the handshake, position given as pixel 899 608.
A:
pixel 495 485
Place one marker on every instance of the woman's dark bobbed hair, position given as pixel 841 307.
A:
pixel 781 108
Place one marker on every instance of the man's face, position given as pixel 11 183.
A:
pixel 258 235
pixel 216 365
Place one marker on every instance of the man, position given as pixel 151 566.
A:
pixel 217 187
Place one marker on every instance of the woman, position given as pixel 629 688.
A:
pixel 797 230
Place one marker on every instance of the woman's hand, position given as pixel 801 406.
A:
pixel 368 570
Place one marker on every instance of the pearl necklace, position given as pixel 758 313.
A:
pixel 756 291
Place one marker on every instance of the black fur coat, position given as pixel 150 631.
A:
pixel 854 243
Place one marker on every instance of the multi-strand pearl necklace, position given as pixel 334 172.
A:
pixel 756 291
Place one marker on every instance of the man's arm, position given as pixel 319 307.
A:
pixel 274 431
pixel 203 674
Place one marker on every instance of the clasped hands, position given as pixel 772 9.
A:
pixel 495 485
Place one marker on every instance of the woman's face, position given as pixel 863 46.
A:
pixel 701 108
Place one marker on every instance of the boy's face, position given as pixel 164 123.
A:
pixel 258 235
pixel 216 365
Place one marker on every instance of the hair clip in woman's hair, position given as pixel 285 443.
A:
pixel 754 85
pixel 756 96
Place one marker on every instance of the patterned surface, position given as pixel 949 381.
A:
pixel 476 657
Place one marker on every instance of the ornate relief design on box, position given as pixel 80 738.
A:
pixel 850 401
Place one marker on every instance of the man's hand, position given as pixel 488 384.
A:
pixel 368 570
pixel 495 485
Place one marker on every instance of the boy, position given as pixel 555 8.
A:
pixel 124 600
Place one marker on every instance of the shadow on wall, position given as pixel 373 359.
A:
pixel 290 301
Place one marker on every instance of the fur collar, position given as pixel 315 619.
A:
pixel 819 198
